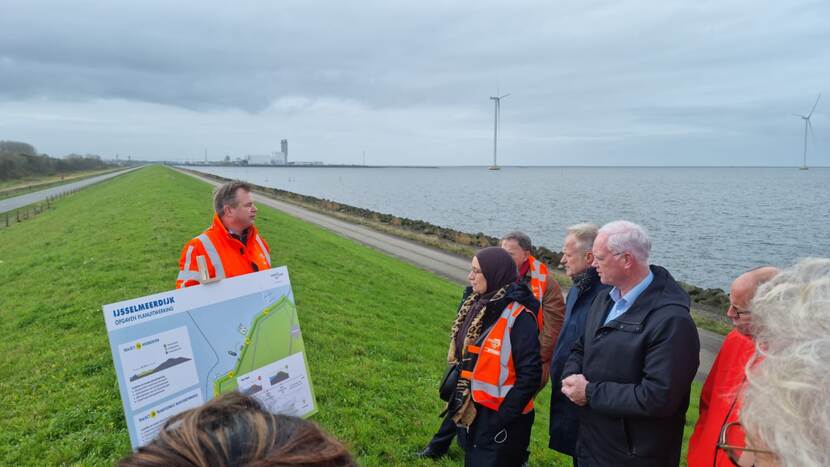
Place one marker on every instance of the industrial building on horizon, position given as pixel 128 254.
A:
pixel 275 158
pixel 278 158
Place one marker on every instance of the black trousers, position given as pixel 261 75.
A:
pixel 489 445
pixel 440 443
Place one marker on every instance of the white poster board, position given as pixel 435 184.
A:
pixel 175 350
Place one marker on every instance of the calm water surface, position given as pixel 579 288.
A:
pixel 707 224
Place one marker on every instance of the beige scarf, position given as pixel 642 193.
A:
pixel 467 413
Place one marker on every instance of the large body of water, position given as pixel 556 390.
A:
pixel 707 224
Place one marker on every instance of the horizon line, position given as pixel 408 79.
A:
pixel 432 166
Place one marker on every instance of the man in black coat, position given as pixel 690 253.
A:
pixel 631 371
pixel 576 259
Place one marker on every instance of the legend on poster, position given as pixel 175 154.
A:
pixel 282 387
pixel 158 366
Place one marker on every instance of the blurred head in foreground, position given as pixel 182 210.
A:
pixel 786 408
pixel 234 430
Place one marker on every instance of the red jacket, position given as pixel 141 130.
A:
pixel 224 255
pixel 720 401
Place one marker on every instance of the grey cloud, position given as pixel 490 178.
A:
pixel 578 71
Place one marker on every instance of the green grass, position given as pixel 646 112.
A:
pixel 375 329
pixel 709 322
pixel 259 349
pixel 21 186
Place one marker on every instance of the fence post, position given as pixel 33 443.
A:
pixel 17 211
pixel 7 219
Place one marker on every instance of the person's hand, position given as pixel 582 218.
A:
pixel 573 387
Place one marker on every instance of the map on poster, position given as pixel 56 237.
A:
pixel 175 350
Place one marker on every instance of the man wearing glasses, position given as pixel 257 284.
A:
pixel 719 398
pixel 632 369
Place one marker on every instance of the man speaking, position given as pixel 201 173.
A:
pixel 231 246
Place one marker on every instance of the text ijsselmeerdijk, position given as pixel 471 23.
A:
pixel 150 307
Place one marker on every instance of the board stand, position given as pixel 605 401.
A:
pixel 203 271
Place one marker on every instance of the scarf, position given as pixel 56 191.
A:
pixel 500 272
pixel 584 281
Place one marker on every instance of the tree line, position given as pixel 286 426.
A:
pixel 18 160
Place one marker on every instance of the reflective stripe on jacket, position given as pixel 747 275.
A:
pixel 494 373
pixel 225 256
pixel 538 284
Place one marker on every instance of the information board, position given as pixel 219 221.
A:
pixel 175 350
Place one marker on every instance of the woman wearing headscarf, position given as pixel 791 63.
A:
pixel 495 338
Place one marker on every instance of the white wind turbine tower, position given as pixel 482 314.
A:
pixel 496 121
pixel 807 127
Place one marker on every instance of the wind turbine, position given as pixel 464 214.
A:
pixel 496 118
pixel 807 126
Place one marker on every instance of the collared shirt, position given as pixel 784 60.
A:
pixel 243 237
pixel 623 303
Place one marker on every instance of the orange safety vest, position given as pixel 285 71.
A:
pixel 494 374
pixel 538 285
pixel 225 256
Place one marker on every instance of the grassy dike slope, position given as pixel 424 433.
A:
pixel 375 328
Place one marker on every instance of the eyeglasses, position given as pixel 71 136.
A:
pixel 475 271
pixel 733 442
pixel 739 311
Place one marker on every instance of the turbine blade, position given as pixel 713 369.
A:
pixel 814 106
pixel 812 134
pixel 502 97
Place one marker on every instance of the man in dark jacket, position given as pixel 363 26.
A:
pixel 576 259
pixel 631 371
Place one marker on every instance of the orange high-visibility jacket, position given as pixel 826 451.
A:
pixel 538 285
pixel 494 374
pixel 225 256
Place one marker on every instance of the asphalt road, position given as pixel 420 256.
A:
pixel 451 266
pixel 10 204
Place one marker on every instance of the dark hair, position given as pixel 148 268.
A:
pixel 234 430
pixel 497 266
pixel 521 238
pixel 225 195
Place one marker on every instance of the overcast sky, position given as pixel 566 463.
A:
pixel 590 82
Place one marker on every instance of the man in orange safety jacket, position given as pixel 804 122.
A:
pixel 545 288
pixel 231 246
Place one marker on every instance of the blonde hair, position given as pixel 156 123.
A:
pixel 786 406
